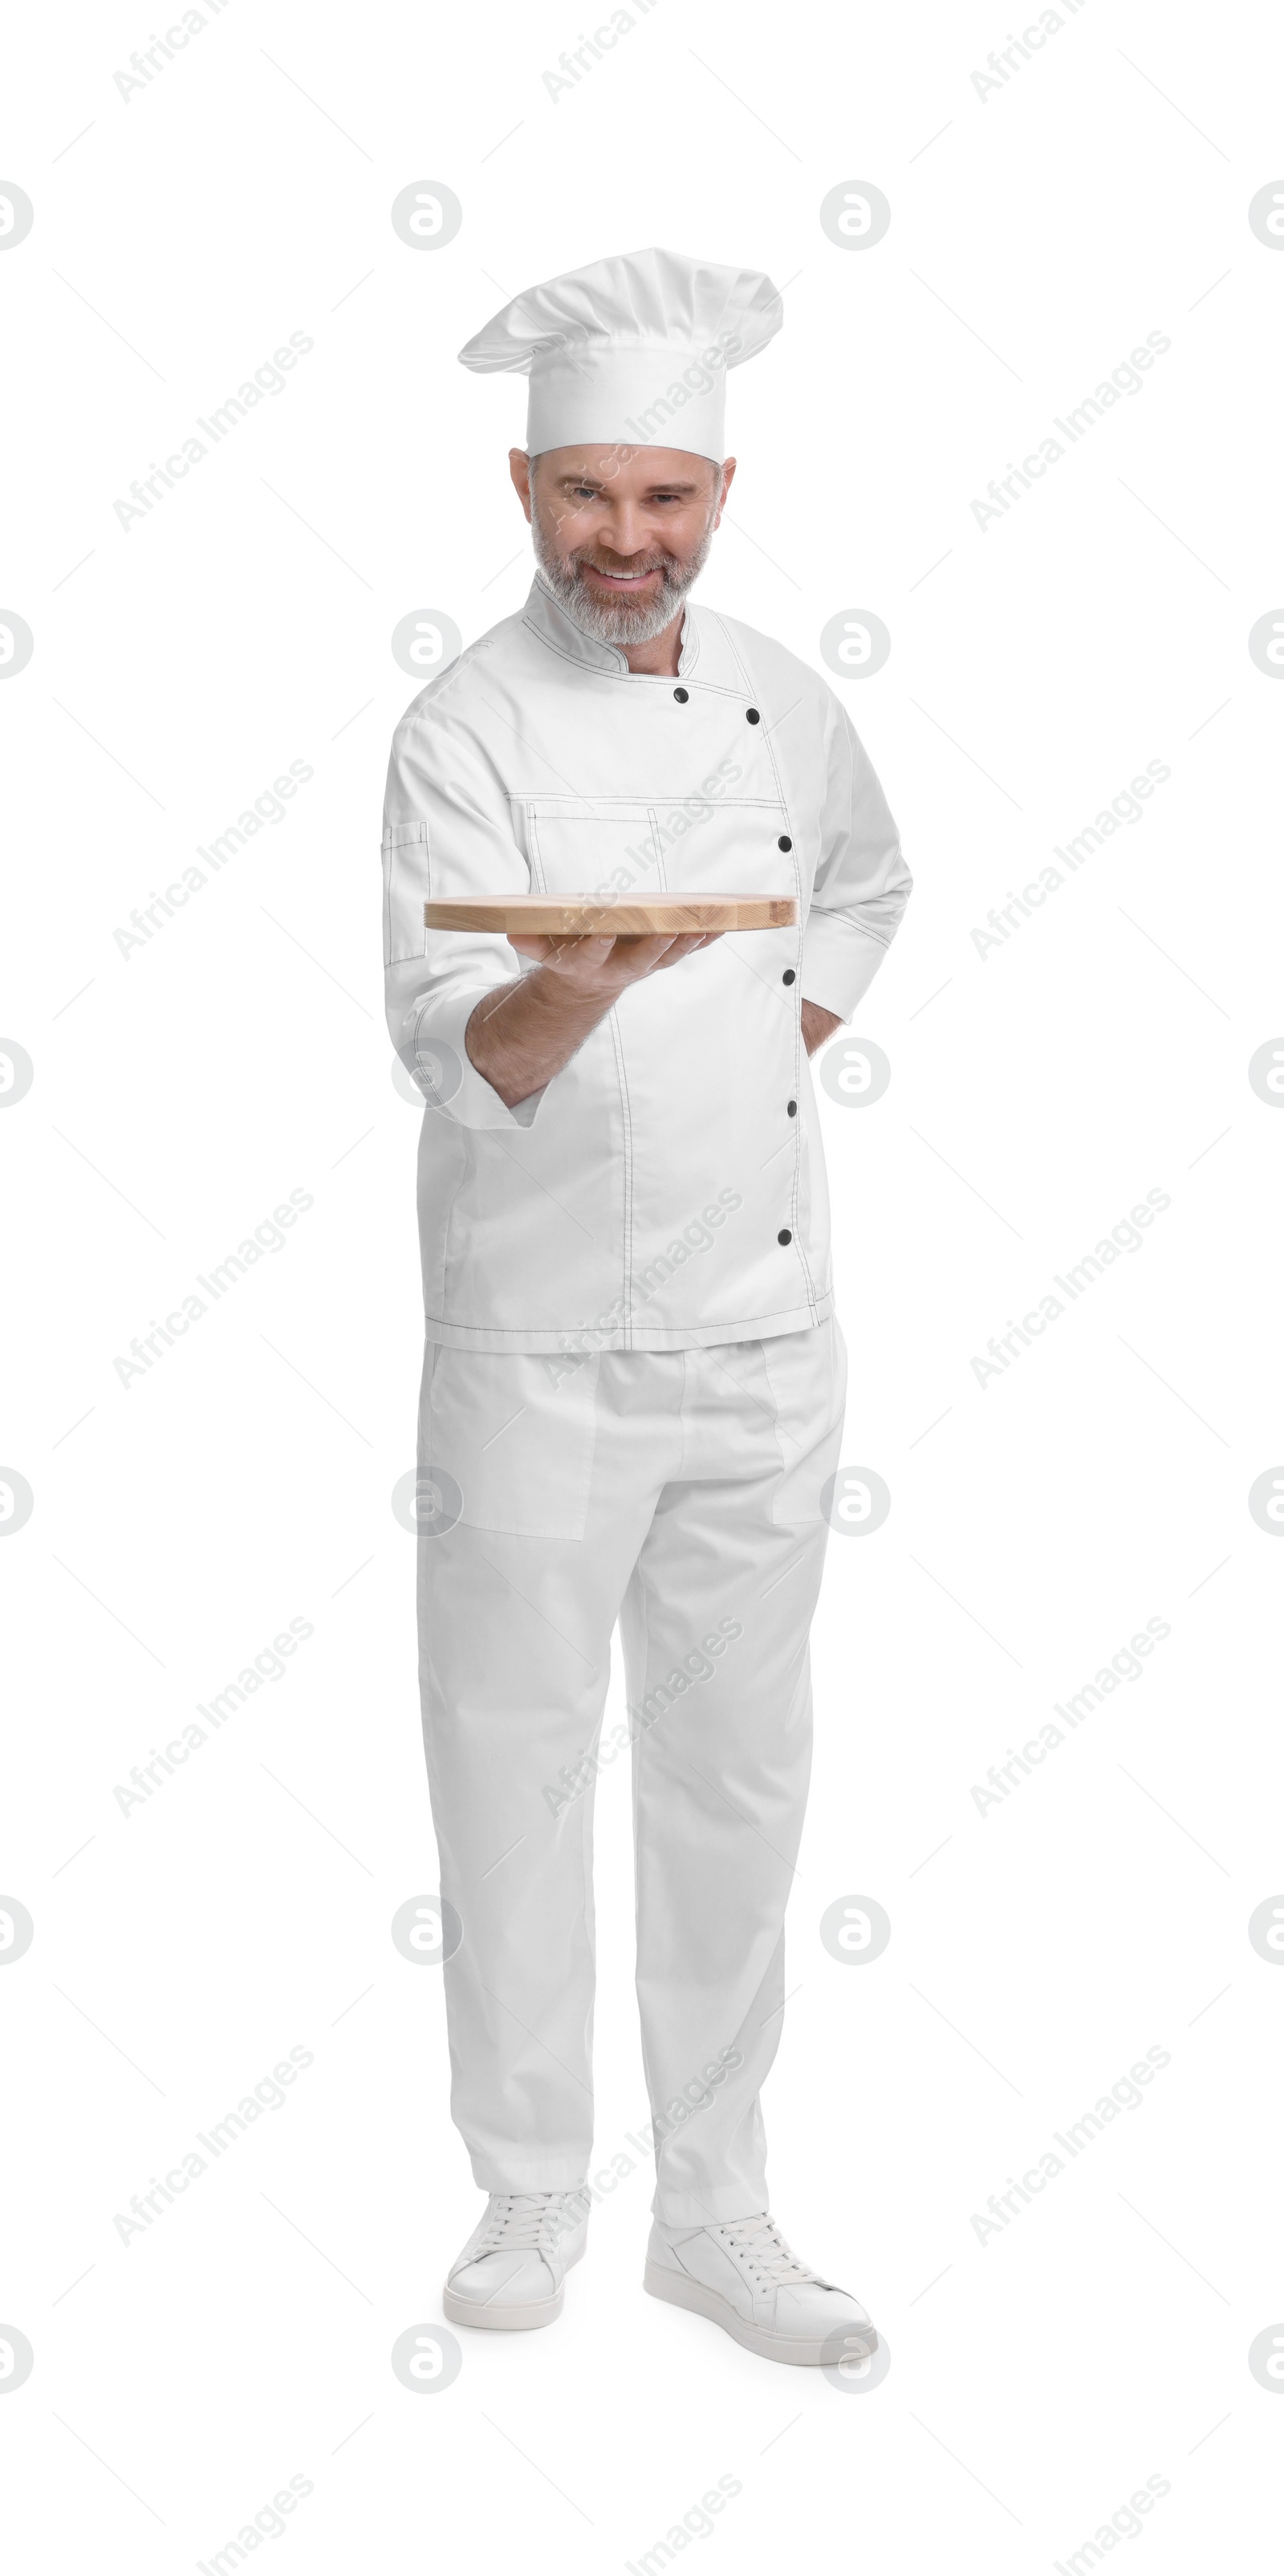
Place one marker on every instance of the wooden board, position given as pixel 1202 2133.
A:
pixel 578 916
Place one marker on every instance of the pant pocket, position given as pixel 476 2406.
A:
pixel 507 1439
pixel 807 1375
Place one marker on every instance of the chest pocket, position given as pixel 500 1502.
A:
pixel 583 847
pixel 714 844
pixel 700 845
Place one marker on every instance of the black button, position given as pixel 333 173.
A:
pixel 788 977
pixel 681 695
pixel 784 1235
pixel 751 715
pixel 784 842
pixel 792 1107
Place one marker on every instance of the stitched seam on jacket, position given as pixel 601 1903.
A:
pixel 546 796
pixel 804 912
pixel 535 861
pixel 653 826
pixel 626 1109
pixel 839 921
pixel 734 1329
pixel 463 1134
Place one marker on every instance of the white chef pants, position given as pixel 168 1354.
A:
pixel 680 1492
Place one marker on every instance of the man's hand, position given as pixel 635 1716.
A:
pixel 521 1035
pixel 817 1025
pixel 608 962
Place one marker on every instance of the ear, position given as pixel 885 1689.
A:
pixel 727 475
pixel 519 466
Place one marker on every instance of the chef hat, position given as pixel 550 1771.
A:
pixel 631 351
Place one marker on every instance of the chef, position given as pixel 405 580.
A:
pixel 634 1377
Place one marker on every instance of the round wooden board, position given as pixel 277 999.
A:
pixel 577 916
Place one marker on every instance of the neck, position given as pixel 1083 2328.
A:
pixel 660 655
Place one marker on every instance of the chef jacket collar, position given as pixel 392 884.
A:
pixel 552 623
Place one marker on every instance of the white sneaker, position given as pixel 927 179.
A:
pixel 512 2269
pixel 741 2273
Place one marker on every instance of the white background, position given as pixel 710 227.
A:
pixel 1040 2376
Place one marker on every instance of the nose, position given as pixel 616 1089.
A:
pixel 625 534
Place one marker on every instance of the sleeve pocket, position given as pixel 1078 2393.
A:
pixel 405 889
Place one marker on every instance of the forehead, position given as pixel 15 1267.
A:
pixel 628 472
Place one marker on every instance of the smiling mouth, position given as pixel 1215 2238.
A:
pixel 623 580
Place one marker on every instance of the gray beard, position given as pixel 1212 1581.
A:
pixel 618 621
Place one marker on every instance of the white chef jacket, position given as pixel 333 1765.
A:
pixel 666 1189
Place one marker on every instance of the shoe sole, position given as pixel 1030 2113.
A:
pixel 502 2320
pixel 682 2292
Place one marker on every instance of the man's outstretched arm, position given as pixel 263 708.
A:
pixel 522 1034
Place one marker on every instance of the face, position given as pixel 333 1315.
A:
pixel 621 532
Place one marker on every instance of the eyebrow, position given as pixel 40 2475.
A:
pixel 599 483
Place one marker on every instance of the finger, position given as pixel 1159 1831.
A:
pixel 686 944
pixel 569 953
pixel 640 951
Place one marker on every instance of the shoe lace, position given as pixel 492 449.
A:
pixel 763 2248
pixel 517 2220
